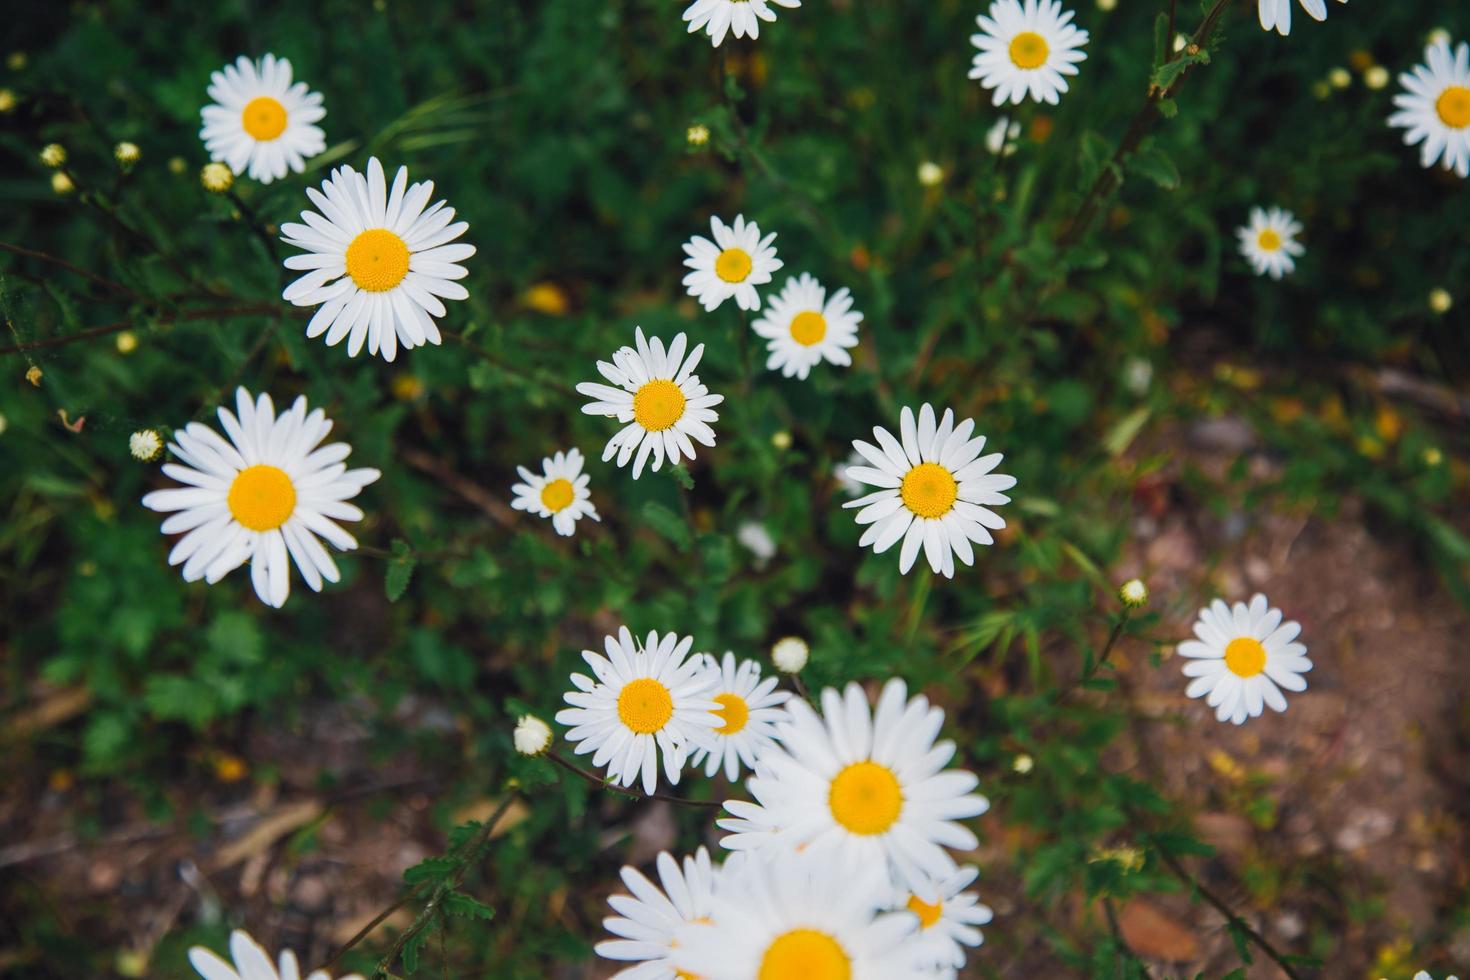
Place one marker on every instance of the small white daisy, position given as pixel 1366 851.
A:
pixel 1242 658
pixel 252 962
pixel 742 18
pixel 650 918
pixel 736 262
pixel 560 492
pixel 1001 137
pixel 860 788
pixel 648 699
pixel 1276 14
pixel 1434 108
pixel 749 708
pixel 378 261
pixel 850 486
pixel 948 916
pixel 664 407
pixel 1269 242
pixel 803 327
pixel 936 491
pixel 531 736
pixel 260 122
pixel 1027 49
pixel 266 494
pixel 783 915
pixel 1424 975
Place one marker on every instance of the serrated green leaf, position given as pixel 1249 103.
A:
pixel 668 524
pixel 400 570
pixel 467 907
pixel 1157 167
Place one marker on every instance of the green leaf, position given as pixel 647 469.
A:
pixel 1157 167
pixel 434 869
pixel 467 907
pixel 400 570
pixel 1161 39
pixel 173 698
pixel 1168 108
pixel 1121 436
pixel 682 476
pixel 668 524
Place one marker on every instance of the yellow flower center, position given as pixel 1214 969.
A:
pixel 645 705
pixel 377 260
pixel 1245 656
pixel 1269 240
pixel 264 118
pixel 929 490
pixel 1029 50
pixel 808 328
pixel 733 711
pixel 658 404
pixel 557 494
pixel 928 914
pixel 805 954
pixel 733 265
pixel 1453 106
pixel 865 798
pixel 262 498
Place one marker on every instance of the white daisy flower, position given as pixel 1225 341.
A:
pixel 936 491
pixel 379 261
pixel 267 493
pixel 1001 137
pixel 260 122
pixel 736 262
pixel 1276 14
pixel 659 399
pixel 742 18
pixel 784 915
pixel 803 327
pixel 1242 658
pixel 648 699
pixel 252 963
pixel 1269 242
pixel 531 736
pixel 1026 50
pixel 850 486
pixel 790 654
pixel 1424 975
pixel 650 917
pixel 860 788
pixel 560 492
pixel 948 916
pixel 749 708
pixel 1434 108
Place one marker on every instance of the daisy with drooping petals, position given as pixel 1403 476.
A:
pixel 560 492
pixel 1026 50
pixel 260 122
pixel 1276 14
pixel 749 708
pixel 948 916
pixel 861 787
pixel 1434 107
pixel 783 915
pixel 649 918
pixel 736 262
pixel 804 327
pixel 264 495
pixel 659 399
pixel 936 491
pixel 379 261
pixel 742 18
pixel 1269 242
pixel 648 699
pixel 1242 658
pixel 252 962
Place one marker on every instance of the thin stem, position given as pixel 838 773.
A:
pixel 256 225
pixel 168 316
pixel 1107 651
pixel 377 920
pixel 597 781
pixel 102 281
pixel 1172 863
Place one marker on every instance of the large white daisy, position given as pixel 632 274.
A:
pixel 936 490
pixel 378 261
pixel 1026 50
pixel 647 699
pixel 1242 658
pixel 742 18
pixel 664 407
pixel 650 918
pixel 948 916
pixel 803 327
pixel 252 962
pixel 559 492
pixel 783 915
pixel 1276 14
pixel 1434 107
pixel 267 493
pixel 861 788
pixel 1268 242
pixel 736 262
pixel 749 708
pixel 261 122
